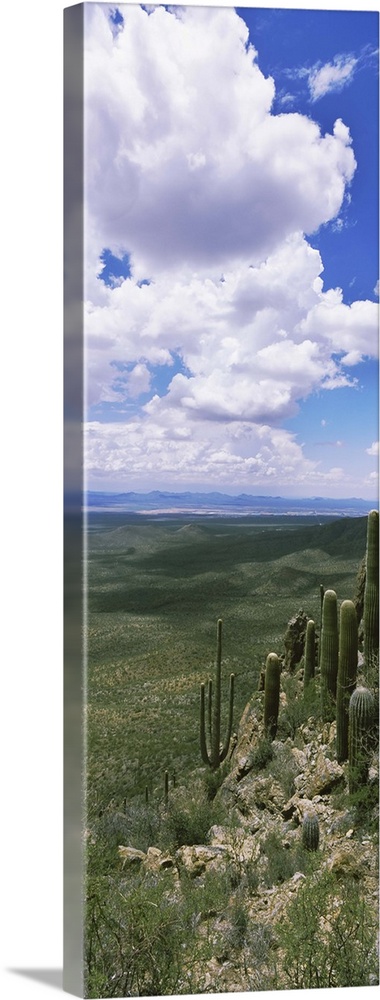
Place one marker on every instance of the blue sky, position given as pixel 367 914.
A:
pixel 231 219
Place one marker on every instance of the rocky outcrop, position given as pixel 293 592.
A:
pixel 131 856
pixel 198 858
pixel 320 776
pixel 294 640
pixel 271 787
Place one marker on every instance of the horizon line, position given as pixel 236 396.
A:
pixel 208 492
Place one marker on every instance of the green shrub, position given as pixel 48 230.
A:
pixel 142 933
pixel 328 936
pixel 237 924
pixel 283 769
pixel 259 757
pixel 138 827
pixel 261 969
pixel 251 879
pixel 282 861
pixel 135 939
pixel 365 805
pixel 208 896
pixel 298 708
pixel 187 819
pixel 213 780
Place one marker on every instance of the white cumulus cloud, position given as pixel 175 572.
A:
pixel 251 344
pixel 352 329
pixel 189 172
pixel 331 76
pixel 374 449
pixel 184 160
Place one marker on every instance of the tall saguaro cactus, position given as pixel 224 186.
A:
pixel 321 596
pixel 347 668
pixel 371 592
pixel 309 668
pixel 271 694
pixel 215 754
pixel 329 651
pixel 360 733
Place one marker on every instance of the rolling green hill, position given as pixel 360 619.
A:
pixel 155 591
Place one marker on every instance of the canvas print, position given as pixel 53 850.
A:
pixel 227 640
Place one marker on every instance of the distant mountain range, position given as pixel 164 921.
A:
pixel 221 503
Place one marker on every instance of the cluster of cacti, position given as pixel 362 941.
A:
pixel 271 695
pixel 360 737
pixel 310 832
pixel 329 651
pixel 347 668
pixel 338 662
pixel 371 592
pixel 215 754
pixel 309 664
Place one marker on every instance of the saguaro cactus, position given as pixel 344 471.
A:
pixel 329 651
pixel 310 832
pixel 321 596
pixel 216 754
pixel 347 668
pixel 271 694
pixel 371 592
pixel 360 733
pixel 309 668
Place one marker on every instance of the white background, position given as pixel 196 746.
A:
pixel 31 67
